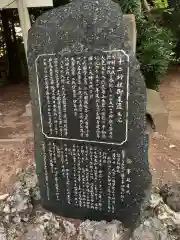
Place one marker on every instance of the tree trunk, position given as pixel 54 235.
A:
pixel 146 6
pixel 14 66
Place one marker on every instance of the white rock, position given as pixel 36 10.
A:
pixel 151 229
pixel 13 210
pixel 44 219
pixel 172 146
pixel 69 228
pixel 106 232
pixel 31 181
pixel 22 206
pixel 90 230
pixel 56 224
pixel 16 219
pixel 7 209
pixel 155 200
pixel 35 232
pixel 25 219
pixel 7 218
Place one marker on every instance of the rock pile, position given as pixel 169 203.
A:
pixel 22 217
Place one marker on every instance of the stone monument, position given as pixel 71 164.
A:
pixel 89 106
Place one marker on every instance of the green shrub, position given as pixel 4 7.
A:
pixel 154 43
pixel 154 51
pixel 175 4
pixel 171 19
pixel 160 3
pixel 130 6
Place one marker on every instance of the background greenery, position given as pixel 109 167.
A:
pixel 158 37
pixel 155 41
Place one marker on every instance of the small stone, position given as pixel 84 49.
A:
pixel 31 182
pixel 16 219
pixel 18 186
pixel 30 178
pixel 25 219
pixel 7 218
pixel 15 199
pixel 35 195
pixel 7 209
pixel 13 210
pixel 69 228
pixel 106 232
pixel 155 200
pixel 3 197
pixel 171 196
pixel 172 146
pixel 45 217
pixel 90 230
pixel 22 206
pixel 151 229
pixel 2 233
pixel 34 233
pixel 56 224
pixel 18 170
pixel 13 233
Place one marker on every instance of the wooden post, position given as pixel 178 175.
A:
pixel 24 20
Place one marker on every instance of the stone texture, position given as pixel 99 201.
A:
pixel 69 228
pixel 2 233
pixel 156 109
pixel 171 196
pixel 90 230
pixel 163 212
pixel 34 233
pixel 151 229
pixel 84 27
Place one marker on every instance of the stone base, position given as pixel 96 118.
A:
pixel 157 111
pixel 28 111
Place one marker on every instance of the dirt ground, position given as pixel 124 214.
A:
pixel 165 150
pixel 16 144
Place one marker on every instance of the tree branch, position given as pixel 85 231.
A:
pixel 146 6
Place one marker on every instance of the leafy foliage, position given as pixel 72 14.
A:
pixel 154 51
pixel 154 44
pixel 130 6
pixel 171 19
pixel 160 3
pixel 175 4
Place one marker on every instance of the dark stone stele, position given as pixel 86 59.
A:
pixel 89 106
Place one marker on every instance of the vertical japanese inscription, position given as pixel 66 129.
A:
pixel 83 103
pixel 71 83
